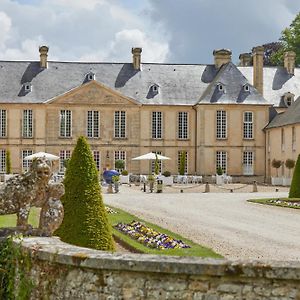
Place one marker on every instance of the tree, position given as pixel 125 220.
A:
pixel 276 164
pixel 119 164
pixel 290 164
pixel 182 162
pixel 270 49
pixel 85 221
pixel 295 185
pixel 156 165
pixel 8 162
pixel 290 40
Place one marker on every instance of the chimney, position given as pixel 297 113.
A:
pixel 43 56
pixel 289 61
pixel 222 56
pixel 258 66
pixel 136 58
pixel 245 59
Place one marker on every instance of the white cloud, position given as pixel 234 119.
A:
pixel 5 25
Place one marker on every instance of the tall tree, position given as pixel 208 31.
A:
pixel 85 221
pixel 290 40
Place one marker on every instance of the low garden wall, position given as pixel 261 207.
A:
pixel 62 271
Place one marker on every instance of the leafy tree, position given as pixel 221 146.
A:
pixel 290 40
pixel 295 185
pixel 156 165
pixel 290 164
pixel 182 162
pixel 119 164
pixel 85 222
pixel 8 162
pixel 270 49
pixel 219 170
pixel 276 164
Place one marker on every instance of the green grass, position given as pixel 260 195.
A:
pixel 265 201
pixel 124 217
pixel 11 220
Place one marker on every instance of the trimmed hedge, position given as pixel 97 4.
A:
pixel 295 185
pixel 85 221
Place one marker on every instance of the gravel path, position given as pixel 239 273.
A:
pixel 225 222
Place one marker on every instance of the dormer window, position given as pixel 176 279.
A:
pixel 288 99
pixel 27 87
pixel 246 88
pixel 154 89
pixel 221 87
pixel 90 76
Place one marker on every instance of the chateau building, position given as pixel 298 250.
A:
pixel 236 117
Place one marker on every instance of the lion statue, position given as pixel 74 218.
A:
pixel 32 188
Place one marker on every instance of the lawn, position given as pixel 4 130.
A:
pixel 282 202
pixel 124 217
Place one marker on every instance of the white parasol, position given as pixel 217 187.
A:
pixel 46 155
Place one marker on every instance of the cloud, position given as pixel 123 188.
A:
pixel 5 25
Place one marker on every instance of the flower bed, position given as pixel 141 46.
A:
pixel 285 203
pixel 110 210
pixel 149 237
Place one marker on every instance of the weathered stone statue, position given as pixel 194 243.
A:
pixel 32 188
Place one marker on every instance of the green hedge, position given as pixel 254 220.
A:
pixel 295 185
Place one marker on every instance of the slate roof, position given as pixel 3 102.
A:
pixel 289 117
pixel 233 92
pixel 178 84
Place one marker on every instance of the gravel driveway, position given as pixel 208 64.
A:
pixel 225 222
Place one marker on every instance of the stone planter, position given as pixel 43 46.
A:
pixel 167 180
pixel 124 179
pixel 286 181
pixel 276 180
pixel 219 179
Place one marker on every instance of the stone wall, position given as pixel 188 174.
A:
pixel 62 271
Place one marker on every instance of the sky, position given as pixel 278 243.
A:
pixel 169 31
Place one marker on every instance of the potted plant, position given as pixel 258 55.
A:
pixel 124 177
pixel 119 164
pixel 219 176
pixel 151 180
pixel 116 181
pixel 167 178
pixel 182 163
pixel 276 164
pixel 290 164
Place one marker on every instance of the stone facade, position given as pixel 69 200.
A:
pixel 62 271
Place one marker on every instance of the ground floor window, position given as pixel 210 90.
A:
pixel 159 163
pixel 2 161
pixel 179 161
pixel 96 155
pixel 248 163
pixel 120 155
pixel 221 160
pixel 26 163
pixel 64 155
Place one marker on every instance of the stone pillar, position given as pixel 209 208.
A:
pixel 289 61
pixel 245 59
pixel 43 56
pixel 222 56
pixel 136 58
pixel 258 66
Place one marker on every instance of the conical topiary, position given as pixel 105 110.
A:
pixel 8 162
pixel 85 221
pixel 295 185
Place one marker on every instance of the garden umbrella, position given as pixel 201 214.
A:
pixel 48 156
pixel 151 156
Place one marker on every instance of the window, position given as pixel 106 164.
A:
pixel 120 155
pixel 2 161
pixel 93 124
pixel 26 163
pixel 156 124
pixel 182 125
pixel 269 145
pixel 179 160
pixel 246 88
pixel 63 156
pixel 2 123
pixel 282 140
pixel 221 87
pixel 27 87
pixel 120 124
pixel 248 125
pixel 65 123
pixel 96 155
pixel 293 139
pixel 221 124
pixel 155 88
pixel 90 76
pixel 288 99
pixel 159 163
pixel 221 160
pixel 27 124
pixel 248 163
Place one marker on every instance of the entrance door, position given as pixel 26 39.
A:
pixel 248 163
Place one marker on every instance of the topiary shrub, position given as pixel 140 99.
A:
pixel 8 162
pixel 119 164
pixel 124 172
pixel 219 171
pixel 85 221
pixel 295 185
pixel 167 173
pixel 182 162
pixel 290 164
pixel 276 164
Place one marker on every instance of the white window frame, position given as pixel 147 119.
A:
pixel 26 163
pixel 97 159
pixel 183 120
pixel 120 155
pixel 186 169
pixel 93 124
pixel 159 163
pixel 63 155
pixel 27 124
pixel 120 124
pixel 282 140
pixel 3 123
pixel 2 161
pixel 156 125
pixel 248 162
pixel 65 123
pixel 293 138
pixel 248 125
pixel 221 160
pixel 221 125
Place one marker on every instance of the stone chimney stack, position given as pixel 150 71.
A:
pixel 43 56
pixel 136 58
pixel 222 56
pixel 289 61
pixel 245 59
pixel 258 68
